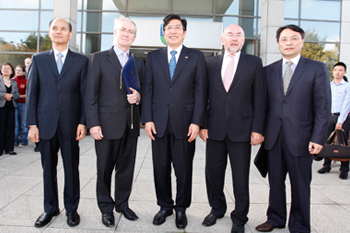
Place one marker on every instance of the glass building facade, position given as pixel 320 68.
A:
pixel 24 26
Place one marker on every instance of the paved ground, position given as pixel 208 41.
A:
pixel 21 196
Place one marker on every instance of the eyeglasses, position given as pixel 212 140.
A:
pixel 171 27
pixel 18 70
pixel 129 32
pixel 292 39
pixel 231 36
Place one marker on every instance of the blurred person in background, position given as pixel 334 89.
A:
pixel 8 95
pixel 21 130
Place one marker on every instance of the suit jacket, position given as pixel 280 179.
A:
pixel 303 111
pixel 14 92
pixel 54 98
pixel 106 102
pixel 182 99
pixel 241 110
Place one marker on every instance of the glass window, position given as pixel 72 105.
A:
pixel 248 24
pixel 198 18
pixel 17 41
pixel 237 7
pixel 319 31
pixel 315 9
pixel 323 52
pixel 13 59
pixel 23 4
pixel 249 46
pixel 149 5
pixel 19 20
pixel 288 21
pixel 79 29
pixel 115 5
pixel 96 42
pixel 47 4
pixel 193 6
pixel 45 42
pixel 291 9
pixel 45 18
pixel 99 22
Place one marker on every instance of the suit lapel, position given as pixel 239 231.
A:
pixel 113 59
pixel 163 61
pixel 297 73
pixel 278 76
pixel 243 59
pixel 52 62
pixel 184 57
pixel 68 62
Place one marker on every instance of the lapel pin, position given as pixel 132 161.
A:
pixel 186 57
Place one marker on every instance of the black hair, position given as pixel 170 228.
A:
pixel 340 64
pixel 70 25
pixel 291 27
pixel 167 19
pixel 13 70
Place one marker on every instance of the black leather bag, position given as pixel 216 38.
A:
pixel 336 146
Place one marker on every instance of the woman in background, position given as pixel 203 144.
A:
pixel 8 95
pixel 21 130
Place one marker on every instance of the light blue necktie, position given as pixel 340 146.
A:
pixel 172 64
pixel 59 62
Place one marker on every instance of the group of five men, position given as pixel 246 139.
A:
pixel 230 100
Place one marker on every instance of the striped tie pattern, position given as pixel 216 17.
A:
pixel 287 77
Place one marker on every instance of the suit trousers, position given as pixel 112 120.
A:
pixel 344 166
pixel 180 153
pixel 281 162
pixel 216 162
pixel 118 155
pixel 70 158
pixel 7 129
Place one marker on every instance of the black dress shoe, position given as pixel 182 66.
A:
pixel 45 218
pixel 237 228
pixel 324 170
pixel 181 220
pixel 11 153
pixel 73 219
pixel 37 149
pixel 108 220
pixel 267 227
pixel 128 214
pixel 210 220
pixel 343 175
pixel 161 216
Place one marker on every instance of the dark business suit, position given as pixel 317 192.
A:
pixel 55 105
pixel 294 120
pixel 107 107
pixel 231 117
pixel 172 105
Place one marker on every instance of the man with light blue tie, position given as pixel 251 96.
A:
pixel 339 118
pixel 173 107
pixel 56 118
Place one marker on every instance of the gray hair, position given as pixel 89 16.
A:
pixel 126 20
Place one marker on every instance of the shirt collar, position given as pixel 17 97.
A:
pixel 237 55
pixel 341 82
pixel 178 50
pixel 118 51
pixel 295 60
pixel 64 53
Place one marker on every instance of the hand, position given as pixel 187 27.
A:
pixel 256 138
pixel 8 96
pixel 33 134
pixel 133 97
pixel 203 134
pixel 81 131
pixel 193 131
pixel 315 148
pixel 150 129
pixel 96 132
pixel 338 126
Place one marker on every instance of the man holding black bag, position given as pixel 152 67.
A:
pixel 339 118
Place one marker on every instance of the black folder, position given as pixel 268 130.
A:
pixel 130 76
pixel 261 161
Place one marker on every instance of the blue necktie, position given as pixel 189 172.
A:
pixel 172 64
pixel 59 62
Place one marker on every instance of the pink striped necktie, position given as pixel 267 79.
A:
pixel 125 58
pixel 227 80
